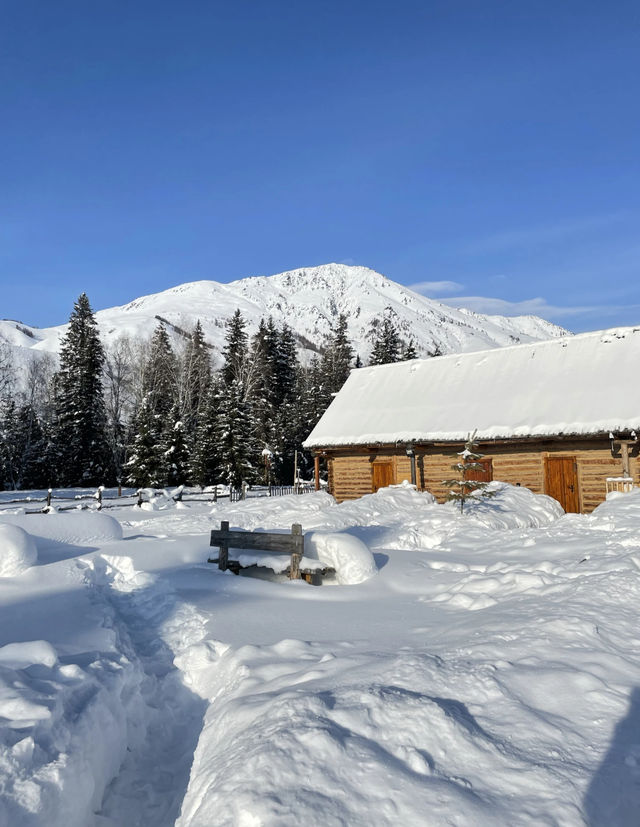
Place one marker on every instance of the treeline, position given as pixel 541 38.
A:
pixel 147 414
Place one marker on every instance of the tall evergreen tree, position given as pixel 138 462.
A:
pixel 196 380
pixel 176 454
pixel 338 357
pixel 235 436
pixel 146 465
pixel 206 466
pixel 264 359
pixel 386 343
pixel 235 350
pixel 153 421
pixel 80 430
pixel 284 406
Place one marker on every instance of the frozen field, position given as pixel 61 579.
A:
pixel 474 670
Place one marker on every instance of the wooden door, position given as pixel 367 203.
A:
pixel 484 474
pixel 382 475
pixel 561 482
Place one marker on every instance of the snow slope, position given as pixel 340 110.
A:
pixel 487 674
pixel 309 300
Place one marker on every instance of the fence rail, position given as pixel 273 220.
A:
pixel 137 498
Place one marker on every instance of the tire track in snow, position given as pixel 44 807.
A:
pixel 153 626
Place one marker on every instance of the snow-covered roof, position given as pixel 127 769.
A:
pixel 582 384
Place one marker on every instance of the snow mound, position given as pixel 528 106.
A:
pixel 398 516
pixel 17 550
pixel 75 528
pixel 511 506
pixel 63 733
pixel 349 556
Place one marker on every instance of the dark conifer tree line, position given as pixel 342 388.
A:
pixel 147 414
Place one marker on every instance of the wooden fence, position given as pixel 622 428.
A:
pixel 102 500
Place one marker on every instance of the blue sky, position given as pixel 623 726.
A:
pixel 487 153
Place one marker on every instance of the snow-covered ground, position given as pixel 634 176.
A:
pixel 480 669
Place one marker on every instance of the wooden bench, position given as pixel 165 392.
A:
pixel 268 541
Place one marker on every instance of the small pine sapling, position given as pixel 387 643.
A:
pixel 462 488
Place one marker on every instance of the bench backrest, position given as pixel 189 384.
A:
pixel 271 541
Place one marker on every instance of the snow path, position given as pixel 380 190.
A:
pixel 151 625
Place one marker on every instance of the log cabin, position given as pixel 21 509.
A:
pixel 559 417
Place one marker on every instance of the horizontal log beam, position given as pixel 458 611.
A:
pixel 257 540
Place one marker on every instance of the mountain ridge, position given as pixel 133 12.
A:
pixel 309 299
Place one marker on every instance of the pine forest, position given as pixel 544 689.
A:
pixel 155 414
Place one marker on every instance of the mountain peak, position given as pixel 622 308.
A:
pixel 309 300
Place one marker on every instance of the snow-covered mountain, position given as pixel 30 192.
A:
pixel 309 300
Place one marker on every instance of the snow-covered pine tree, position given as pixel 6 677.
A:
pixel 80 439
pixel 235 350
pixel 23 448
pixel 462 488
pixel 284 404
pixel 152 421
pixel 235 436
pixel 337 357
pixel 409 352
pixel 176 454
pixel 263 359
pixel 206 468
pixel 285 367
pixel 196 377
pixel 386 340
pixel 146 466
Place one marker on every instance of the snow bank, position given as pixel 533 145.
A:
pixel 398 516
pixel 80 528
pixel 63 733
pixel 349 556
pixel 17 550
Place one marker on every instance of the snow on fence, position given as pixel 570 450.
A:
pixel 621 484
pixel 101 499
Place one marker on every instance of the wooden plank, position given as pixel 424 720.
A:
pixel 223 554
pixel 297 551
pixel 255 541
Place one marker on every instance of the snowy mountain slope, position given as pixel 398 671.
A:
pixel 309 300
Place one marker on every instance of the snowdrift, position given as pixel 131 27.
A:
pixel 17 550
pixel 82 528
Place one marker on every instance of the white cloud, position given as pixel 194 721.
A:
pixel 431 287
pixel 536 307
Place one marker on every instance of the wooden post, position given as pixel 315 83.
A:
pixel 624 447
pixel 215 493
pixel 296 554
pixel 244 490
pixel 139 493
pixel 119 488
pixel 410 451
pixel 316 471
pixel 223 554
pixel 49 498
pixel 100 497
pixel 295 471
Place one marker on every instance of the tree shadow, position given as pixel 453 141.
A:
pixel 613 797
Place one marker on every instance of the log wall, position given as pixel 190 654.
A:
pixel 524 463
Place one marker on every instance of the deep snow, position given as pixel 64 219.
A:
pixel 486 673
